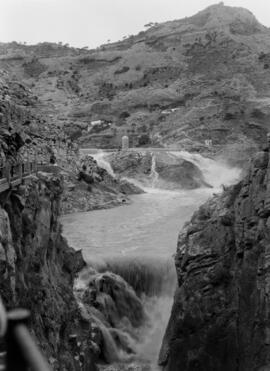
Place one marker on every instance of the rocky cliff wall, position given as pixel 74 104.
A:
pixel 37 269
pixel 220 319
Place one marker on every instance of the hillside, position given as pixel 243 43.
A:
pixel 176 83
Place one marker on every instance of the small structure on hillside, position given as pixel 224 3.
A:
pixel 125 143
pixel 208 142
pixel 93 124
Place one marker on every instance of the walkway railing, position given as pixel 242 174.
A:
pixel 12 175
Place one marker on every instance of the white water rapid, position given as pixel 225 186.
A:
pixel 100 157
pixel 137 242
pixel 154 173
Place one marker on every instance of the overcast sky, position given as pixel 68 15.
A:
pixel 93 22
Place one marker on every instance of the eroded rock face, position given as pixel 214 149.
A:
pixel 178 173
pixel 220 317
pixel 37 269
pixel 115 299
pixel 131 164
pixel 7 256
pixel 92 187
pixel 114 310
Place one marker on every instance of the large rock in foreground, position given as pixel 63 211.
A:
pixel 220 319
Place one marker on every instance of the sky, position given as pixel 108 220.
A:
pixel 91 23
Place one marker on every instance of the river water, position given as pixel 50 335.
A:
pixel 139 240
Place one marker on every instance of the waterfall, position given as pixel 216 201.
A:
pixel 130 280
pixel 216 172
pixel 110 349
pixel 153 174
pixel 147 276
pixel 125 288
pixel 100 157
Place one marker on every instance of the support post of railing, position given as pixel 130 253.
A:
pixel 22 352
pixel 7 172
pixel 15 358
pixel 20 171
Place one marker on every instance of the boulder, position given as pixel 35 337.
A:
pixel 182 175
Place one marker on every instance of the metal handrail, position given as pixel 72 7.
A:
pixel 10 173
pixel 22 352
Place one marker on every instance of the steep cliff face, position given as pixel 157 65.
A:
pixel 37 270
pixel 220 318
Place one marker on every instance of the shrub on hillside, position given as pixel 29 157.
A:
pixel 143 139
pixel 121 70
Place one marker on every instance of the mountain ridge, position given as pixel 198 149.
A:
pixel 209 71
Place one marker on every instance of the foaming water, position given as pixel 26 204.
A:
pixel 136 243
pixel 216 173
pixel 151 276
pixel 153 281
pixel 100 157
pixel 153 173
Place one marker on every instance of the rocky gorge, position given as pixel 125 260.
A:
pixel 38 267
pixel 38 271
pixel 104 304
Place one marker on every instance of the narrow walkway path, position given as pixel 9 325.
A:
pixel 13 175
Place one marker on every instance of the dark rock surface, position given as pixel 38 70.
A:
pixel 114 310
pixel 220 317
pixel 131 164
pixel 158 169
pixel 177 172
pixel 37 271
pixel 90 187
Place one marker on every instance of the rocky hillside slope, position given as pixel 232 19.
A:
pixel 220 317
pixel 176 83
pixel 91 187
